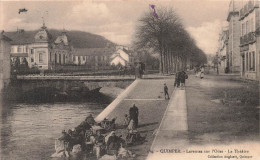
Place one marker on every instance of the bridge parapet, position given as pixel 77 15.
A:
pixel 76 78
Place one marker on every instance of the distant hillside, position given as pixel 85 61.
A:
pixel 78 39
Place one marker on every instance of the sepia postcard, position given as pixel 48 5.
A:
pixel 129 79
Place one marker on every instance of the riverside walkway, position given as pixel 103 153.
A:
pixel 171 137
pixel 148 96
pixel 175 128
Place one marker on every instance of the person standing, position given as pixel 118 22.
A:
pixel 177 80
pixel 202 72
pixel 183 76
pixel 134 113
pixel 166 94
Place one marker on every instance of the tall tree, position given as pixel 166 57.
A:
pixel 166 35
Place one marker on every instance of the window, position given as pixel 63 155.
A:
pixel 59 58
pixel 246 27
pixel 26 49
pixel 55 58
pixel 64 59
pixel 250 61
pixel 19 49
pixel 247 61
pixel 12 49
pixel 32 60
pixel 31 51
pixel 252 25
pixel 84 57
pixel 40 57
pixel 253 62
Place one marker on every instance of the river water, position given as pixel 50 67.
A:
pixel 28 131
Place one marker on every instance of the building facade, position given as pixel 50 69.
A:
pixel 223 51
pixel 122 56
pixel 39 49
pixel 234 37
pixel 249 39
pixel 5 67
pixel 93 58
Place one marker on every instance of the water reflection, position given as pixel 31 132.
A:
pixel 28 131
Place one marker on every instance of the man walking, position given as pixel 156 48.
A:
pixel 166 94
pixel 134 113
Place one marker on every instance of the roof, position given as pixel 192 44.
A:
pixel 5 38
pixel 93 51
pixel 118 56
pixel 26 37
pixel 22 37
pixel 62 39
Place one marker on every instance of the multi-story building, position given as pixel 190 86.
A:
pixel 38 49
pixel 234 37
pixel 249 39
pixel 94 58
pixel 4 61
pixel 223 51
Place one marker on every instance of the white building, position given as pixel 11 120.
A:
pixel 39 49
pixel 94 58
pixel 123 57
pixel 249 39
pixel 223 50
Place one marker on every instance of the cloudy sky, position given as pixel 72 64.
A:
pixel 116 20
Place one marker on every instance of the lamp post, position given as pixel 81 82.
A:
pixel 217 65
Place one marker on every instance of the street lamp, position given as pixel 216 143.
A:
pixel 217 63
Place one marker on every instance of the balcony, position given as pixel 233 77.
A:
pixel 247 39
pixel 248 8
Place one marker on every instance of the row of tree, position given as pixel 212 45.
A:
pixel 166 35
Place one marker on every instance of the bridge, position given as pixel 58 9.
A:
pixel 76 78
pixel 70 85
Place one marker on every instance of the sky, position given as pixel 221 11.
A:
pixel 116 20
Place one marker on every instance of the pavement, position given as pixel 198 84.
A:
pixel 148 96
pixel 192 124
pixel 171 135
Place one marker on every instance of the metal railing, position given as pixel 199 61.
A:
pixel 247 39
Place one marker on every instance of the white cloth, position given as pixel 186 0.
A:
pixel 76 149
pixel 108 157
pixel 109 135
pixel 60 149
pixel 131 125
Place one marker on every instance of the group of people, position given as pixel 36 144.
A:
pixel 88 135
pixel 199 72
pixel 131 121
pixel 180 78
